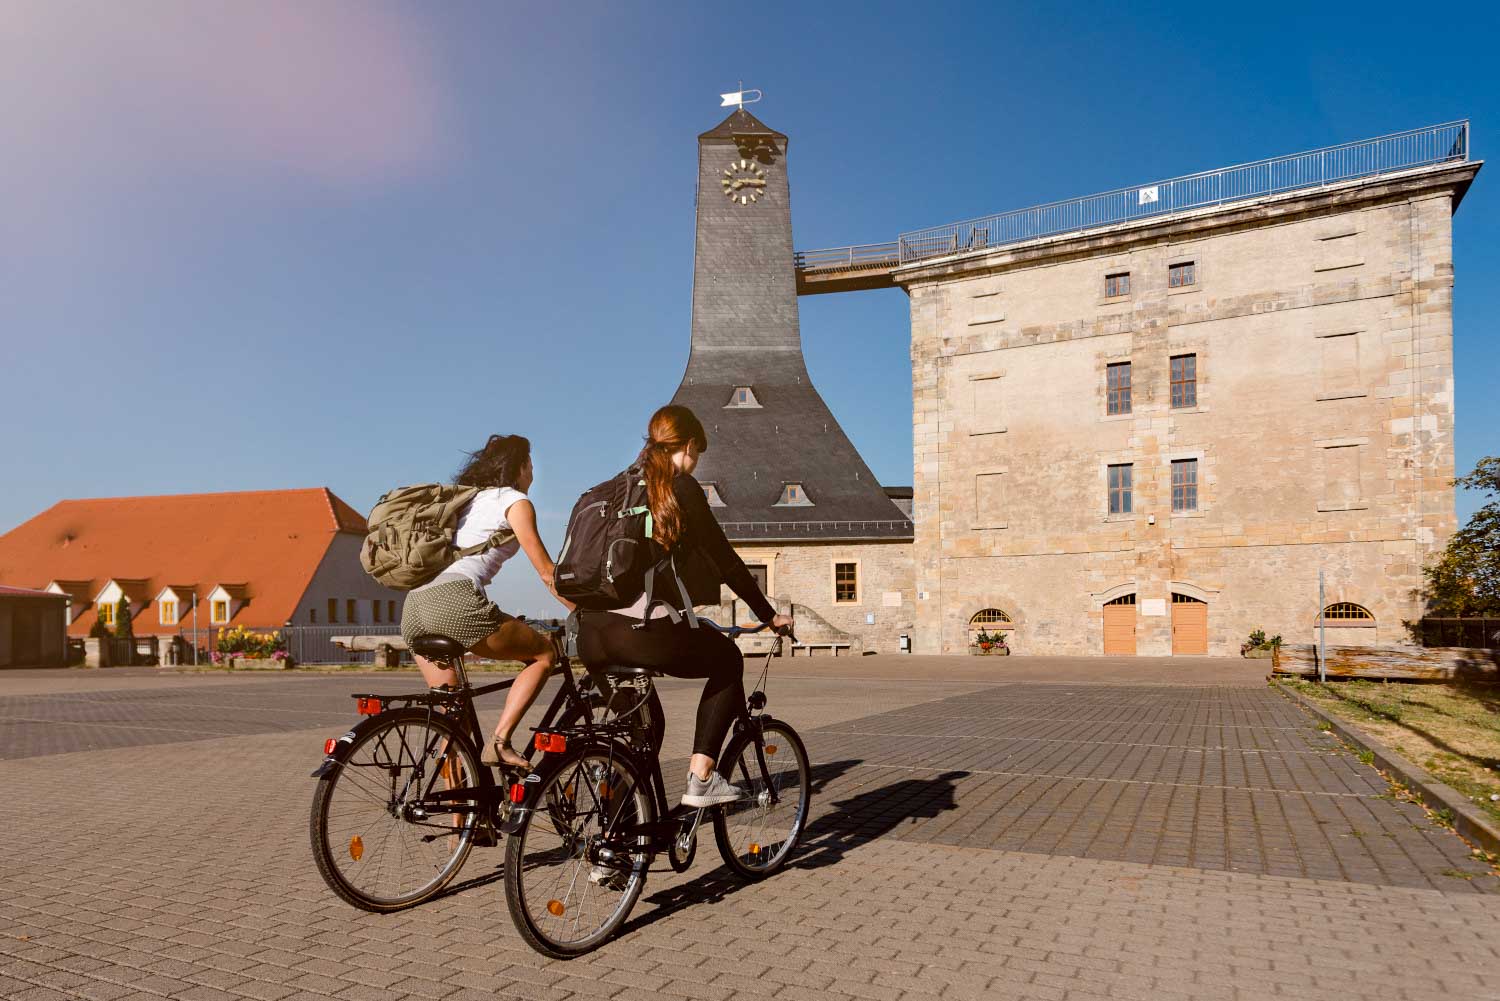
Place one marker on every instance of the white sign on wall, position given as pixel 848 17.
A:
pixel 1149 195
pixel 1154 606
pixel 891 599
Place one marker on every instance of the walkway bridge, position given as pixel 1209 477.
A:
pixel 873 265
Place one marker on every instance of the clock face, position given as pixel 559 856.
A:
pixel 743 181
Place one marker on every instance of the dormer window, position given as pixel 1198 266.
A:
pixel 711 492
pixel 743 398
pixel 106 613
pixel 168 611
pixel 170 602
pixel 792 495
pixel 220 612
pixel 226 601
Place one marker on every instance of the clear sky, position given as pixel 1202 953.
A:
pixel 279 244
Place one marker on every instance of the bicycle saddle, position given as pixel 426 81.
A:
pixel 626 671
pixel 435 647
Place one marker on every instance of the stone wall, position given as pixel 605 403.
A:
pixel 802 572
pixel 1322 431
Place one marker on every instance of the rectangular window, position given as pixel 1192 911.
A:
pixel 333 611
pixel 1117 284
pixel 351 609
pixel 169 613
pixel 219 612
pixel 1118 388
pixel 1184 380
pixel 845 583
pixel 1181 275
pixel 390 611
pixel 1184 484
pixel 1119 488
pixel 107 613
pixel 374 611
pixel 312 616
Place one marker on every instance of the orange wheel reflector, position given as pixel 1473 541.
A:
pixel 567 792
pixel 555 908
pixel 770 748
pixel 356 847
pixel 754 848
pixel 604 790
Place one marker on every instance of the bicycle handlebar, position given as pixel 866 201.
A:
pixel 733 632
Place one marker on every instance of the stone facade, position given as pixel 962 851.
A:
pixel 803 573
pixel 1321 435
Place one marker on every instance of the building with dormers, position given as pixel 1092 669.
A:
pixel 260 559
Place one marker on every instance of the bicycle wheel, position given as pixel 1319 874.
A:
pixel 757 834
pixel 565 897
pixel 375 846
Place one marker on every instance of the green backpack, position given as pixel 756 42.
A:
pixel 411 533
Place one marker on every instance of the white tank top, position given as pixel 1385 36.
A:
pixel 482 518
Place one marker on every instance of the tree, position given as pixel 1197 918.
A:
pixel 123 628
pixel 1465 580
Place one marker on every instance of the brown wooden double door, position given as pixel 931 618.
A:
pixel 1119 627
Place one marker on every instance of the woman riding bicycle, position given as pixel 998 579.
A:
pixel 454 604
pixel 686 529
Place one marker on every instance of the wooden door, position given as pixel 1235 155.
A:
pixel 1119 626
pixel 1189 626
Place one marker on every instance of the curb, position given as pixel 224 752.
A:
pixel 1467 820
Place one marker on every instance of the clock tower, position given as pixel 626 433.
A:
pixel 778 466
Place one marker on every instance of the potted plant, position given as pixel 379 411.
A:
pixel 246 650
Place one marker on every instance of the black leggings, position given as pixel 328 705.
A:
pixel 681 651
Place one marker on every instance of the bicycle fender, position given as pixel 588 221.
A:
pixel 543 769
pixel 331 762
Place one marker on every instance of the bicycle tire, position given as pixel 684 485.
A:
pixel 752 844
pixel 378 739
pixel 527 851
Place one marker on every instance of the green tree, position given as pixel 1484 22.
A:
pixel 123 627
pixel 1465 580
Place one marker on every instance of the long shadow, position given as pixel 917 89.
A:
pixel 1399 720
pixel 852 822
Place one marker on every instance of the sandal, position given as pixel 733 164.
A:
pixel 500 754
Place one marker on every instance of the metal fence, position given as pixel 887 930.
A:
pixel 304 644
pixel 1477 632
pixel 812 529
pixel 1387 154
pixel 869 255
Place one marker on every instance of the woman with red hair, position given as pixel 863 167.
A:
pixel 686 529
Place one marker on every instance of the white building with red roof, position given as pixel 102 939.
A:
pixel 260 559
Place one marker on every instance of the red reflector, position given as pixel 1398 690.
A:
pixel 369 707
pixel 554 743
pixel 329 745
pixel 517 792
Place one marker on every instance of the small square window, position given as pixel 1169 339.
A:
pixel 1184 381
pixel 1117 284
pixel 1118 388
pixel 1182 275
pixel 744 397
pixel 219 612
pixel 845 583
pixel 1184 485
pixel 1120 478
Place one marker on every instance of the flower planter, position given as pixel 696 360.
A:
pixel 260 664
pixel 994 651
pixel 1259 653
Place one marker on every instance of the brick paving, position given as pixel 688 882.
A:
pixel 972 837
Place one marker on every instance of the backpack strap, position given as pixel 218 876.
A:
pixel 652 602
pixel 499 538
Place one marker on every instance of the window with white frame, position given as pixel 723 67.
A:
pixel 219 612
pixel 168 609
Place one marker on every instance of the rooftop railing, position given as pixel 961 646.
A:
pixel 742 529
pixel 1389 154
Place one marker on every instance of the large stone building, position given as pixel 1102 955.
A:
pixel 1144 422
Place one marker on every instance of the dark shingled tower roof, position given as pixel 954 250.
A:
pixel 745 336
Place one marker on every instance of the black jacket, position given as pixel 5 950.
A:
pixel 704 557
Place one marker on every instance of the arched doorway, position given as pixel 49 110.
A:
pixel 993 621
pixel 1189 625
pixel 1119 626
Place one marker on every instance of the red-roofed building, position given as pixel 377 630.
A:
pixel 259 559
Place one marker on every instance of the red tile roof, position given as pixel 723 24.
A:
pixel 271 540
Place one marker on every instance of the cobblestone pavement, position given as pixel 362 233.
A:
pixel 970 839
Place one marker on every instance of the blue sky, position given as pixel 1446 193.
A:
pixel 254 246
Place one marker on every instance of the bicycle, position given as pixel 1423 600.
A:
pixel 402 798
pixel 589 821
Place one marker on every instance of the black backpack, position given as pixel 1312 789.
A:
pixel 609 558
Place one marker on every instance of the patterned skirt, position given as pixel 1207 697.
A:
pixel 452 608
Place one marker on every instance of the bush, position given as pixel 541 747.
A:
pixel 123 627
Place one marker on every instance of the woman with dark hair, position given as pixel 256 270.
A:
pixel 686 529
pixel 454 604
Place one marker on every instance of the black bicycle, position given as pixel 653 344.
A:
pixel 590 820
pixel 403 798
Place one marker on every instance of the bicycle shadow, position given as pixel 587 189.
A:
pixel 853 822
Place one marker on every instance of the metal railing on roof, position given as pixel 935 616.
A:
pixel 742 528
pixel 1435 144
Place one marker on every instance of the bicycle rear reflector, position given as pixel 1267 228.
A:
pixel 369 706
pixel 329 745
pixel 555 908
pixel 517 792
pixel 754 848
pixel 356 847
pixel 554 743
pixel 770 748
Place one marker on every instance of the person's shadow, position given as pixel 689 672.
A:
pixel 830 836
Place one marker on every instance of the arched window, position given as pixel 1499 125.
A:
pixel 989 620
pixel 1128 599
pixel 1347 613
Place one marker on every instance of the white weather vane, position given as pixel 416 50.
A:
pixel 740 97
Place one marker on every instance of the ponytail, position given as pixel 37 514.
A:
pixel 670 430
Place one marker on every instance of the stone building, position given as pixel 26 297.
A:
pixel 788 486
pixel 1151 437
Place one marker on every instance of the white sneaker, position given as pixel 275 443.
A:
pixel 713 792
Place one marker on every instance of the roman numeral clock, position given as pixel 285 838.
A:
pixel 744 181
